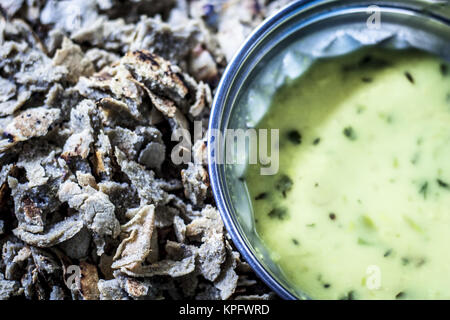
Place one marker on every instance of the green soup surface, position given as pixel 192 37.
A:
pixel 360 206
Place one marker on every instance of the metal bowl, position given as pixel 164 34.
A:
pixel 264 62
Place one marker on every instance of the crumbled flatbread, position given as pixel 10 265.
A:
pixel 171 41
pixel 209 222
pixel 43 175
pixel 228 279
pixel 7 90
pixel 10 264
pixel 89 281
pixel 142 289
pixel 126 140
pixel 199 152
pixel 8 289
pixel 98 213
pixel 203 65
pixel 4 173
pixel 116 91
pixel 164 268
pixel 244 281
pixel 81 124
pixel 111 290
pixel 11 7
pixel 153 155
pixel 112 35
pixel 54 40
pixel 165 215
pixel 88 179
pixel 174 42
pixel 17 258
pixel 203 99
pixel 153 256
pixel 78 246
pixel 29 66
pixel 196 183
pixel 156 73
pixel 72 57
pixel 178 251
pixel 188 284
pixel 208 292
pixel 149 188
pixel 95 208
pixel 10 106
pixel 211 254
pixel 122 195
pixel 135 288
pixel 32 287
pixel 135 248
pixel 44 261
pixel 28 124
pixel 68 15
pixel 40 164
pixel 62 98
pixel 101 158
pixel 57 233
pixel 180 228
pixel 149 7
pixel 236 22
pixel 57 293
pixel 101 58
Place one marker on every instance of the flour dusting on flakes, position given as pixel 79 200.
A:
pixel 90 94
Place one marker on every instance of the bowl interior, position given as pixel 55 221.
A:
pixel 282 48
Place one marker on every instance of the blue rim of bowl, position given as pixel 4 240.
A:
pixel 220 97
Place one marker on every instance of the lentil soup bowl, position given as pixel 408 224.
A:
pixel 285 47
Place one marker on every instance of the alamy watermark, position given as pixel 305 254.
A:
pixel 73 280
pixel 374 20
pixel 373 280
pixel 232 146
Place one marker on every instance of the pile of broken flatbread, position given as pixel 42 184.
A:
pixel 91 207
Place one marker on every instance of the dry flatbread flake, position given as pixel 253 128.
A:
pixel 91 204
